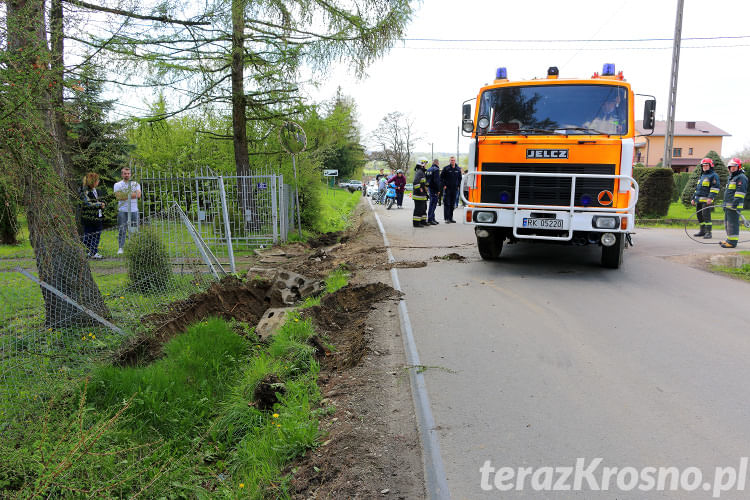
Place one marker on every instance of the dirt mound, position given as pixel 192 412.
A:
pixel 405 264
pixel 326 240
pixel 451 256
pixel 264 396
pixel 230 298
pixel 341 316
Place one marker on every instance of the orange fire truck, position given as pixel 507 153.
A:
pixel 551 160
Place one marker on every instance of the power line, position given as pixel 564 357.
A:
pixel 627 40
pixel 518 49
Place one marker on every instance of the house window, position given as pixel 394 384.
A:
pixel 690 151
pixel 677 152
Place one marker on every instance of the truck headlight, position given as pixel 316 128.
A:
pixel 606 222
pixel 608 239
pixel 485 217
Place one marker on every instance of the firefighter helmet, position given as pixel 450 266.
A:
pixel 735 162
pixel 707 161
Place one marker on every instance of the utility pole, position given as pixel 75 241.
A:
pixel 432 152
pixel 669 125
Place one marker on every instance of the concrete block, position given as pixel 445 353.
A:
pixel 271 321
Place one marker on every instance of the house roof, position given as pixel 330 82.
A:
pixel 681 129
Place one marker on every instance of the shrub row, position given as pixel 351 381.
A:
pixel 655 191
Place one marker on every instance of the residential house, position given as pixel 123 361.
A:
pixel 692 140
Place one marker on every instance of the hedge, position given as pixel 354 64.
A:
pixel 655 191
pixel 680 181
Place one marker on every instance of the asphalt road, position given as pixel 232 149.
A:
pixel 544 357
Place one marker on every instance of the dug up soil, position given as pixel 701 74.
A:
pixel 370 446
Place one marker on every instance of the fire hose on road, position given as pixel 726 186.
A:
pixel 745 223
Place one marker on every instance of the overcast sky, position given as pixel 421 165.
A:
pixel 430 79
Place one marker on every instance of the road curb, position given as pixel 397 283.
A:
pixel 435 482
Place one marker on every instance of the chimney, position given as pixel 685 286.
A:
pixel 690 124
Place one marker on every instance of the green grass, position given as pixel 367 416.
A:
pixel 335 210
pixel 335 281
pixel 184 426
pixel 742 272
pixel 679 211
pixel 175 392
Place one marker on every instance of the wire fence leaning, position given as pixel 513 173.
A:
pixel 43 345
pixel 230 213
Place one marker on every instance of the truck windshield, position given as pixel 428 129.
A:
pixel 555 109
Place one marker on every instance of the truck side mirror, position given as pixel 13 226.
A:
pixel 649 108
pixel 467 124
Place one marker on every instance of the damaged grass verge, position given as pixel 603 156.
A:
pixel 218 414
pixel 334 282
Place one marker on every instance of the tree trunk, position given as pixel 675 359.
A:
pixel 8 217
pixel 58 74
pixel 239 116
pixel 60 258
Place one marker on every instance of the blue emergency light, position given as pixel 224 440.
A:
pixel 502 74
pixel 586 200
pixel 609 69
pixel 504 197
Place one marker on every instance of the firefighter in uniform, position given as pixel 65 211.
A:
pixel 734 199
pixel 705 191
pixel 419 194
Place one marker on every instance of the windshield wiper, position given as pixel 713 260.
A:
pixel 586 130
pixel 522 131
pixel 540 131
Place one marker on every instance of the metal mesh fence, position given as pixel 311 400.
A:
pixel 231 213
pixel 53 330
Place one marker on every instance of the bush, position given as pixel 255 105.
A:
pixel 680 181
pixel 655 193
pixel 149 270
pixel 719 168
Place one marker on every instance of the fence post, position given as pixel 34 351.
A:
pixel 227 231
pixel 282 209
pixel 198 205
pixel 274 208
pixel 198 242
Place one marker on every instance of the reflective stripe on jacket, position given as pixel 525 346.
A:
pixel 420 185
pixel 707 187
pixel 734 195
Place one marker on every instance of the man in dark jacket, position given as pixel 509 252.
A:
pixel 419 194
pixel 450 178
pixel 433 185
pixel 705 191
pixel 734 200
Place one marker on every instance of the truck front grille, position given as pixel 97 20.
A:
pixel 545 190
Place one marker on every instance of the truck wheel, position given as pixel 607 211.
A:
pixel 490 247
pixel 612 256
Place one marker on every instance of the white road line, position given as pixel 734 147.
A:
pixel 435 482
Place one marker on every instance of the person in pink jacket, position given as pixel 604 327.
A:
pixel 400 181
